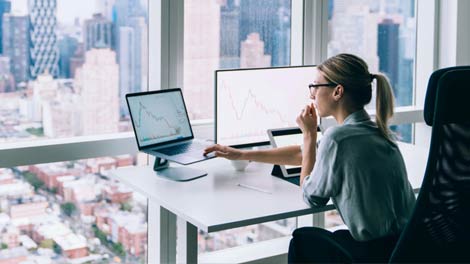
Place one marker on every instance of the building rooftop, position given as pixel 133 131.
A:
pixel 71 241
pixel 6 254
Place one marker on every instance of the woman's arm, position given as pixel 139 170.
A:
pixel 309 156
pixel 290 155
pixel 307 121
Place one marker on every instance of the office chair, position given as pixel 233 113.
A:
pixel 439 228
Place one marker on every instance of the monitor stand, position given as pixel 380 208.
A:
pixel 163 169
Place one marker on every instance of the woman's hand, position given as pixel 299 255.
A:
pixel 307 120
pixel 224 152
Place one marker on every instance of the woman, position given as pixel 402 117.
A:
pixel 358 165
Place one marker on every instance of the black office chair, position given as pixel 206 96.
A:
pixel 439 229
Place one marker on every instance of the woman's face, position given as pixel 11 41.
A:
pixel 322 96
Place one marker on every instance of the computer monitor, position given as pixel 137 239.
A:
pixel 251 101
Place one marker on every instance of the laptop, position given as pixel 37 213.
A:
pixel 161 126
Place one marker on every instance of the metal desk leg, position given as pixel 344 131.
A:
pixel 161 234
pixel 317 220
pixel 186 246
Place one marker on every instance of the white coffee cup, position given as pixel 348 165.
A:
pixel 240 165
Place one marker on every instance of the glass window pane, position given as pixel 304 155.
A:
pixel 383 33
pixel 66 66
pixel 71 211
pixel 208 242
pixel 222 34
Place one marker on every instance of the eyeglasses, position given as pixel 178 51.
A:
pixel 312 87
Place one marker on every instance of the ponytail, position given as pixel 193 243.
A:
pixel 384 106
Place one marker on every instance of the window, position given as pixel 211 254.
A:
pixel 68 66
pixel 230 34
pixel 233 34
pixel 384 34
pixel 63 66
pixel 71 211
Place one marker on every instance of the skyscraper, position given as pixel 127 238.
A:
pixel 77 60
pixel 230 35
pixel 281 41
pixel 122 11
pixel 353 29
pixel 201 55
pixel 45 89
pixel 44 51
pixel 97 82
pixel 98 33
pixel 127 69
pixel 265 18
pixel 7 82
pixel 252 53
pixel 5 7
pixel 388 32
pixel 16 45
pixel 259 16
pixel 67 47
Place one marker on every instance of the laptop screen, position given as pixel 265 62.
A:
pixel 159 117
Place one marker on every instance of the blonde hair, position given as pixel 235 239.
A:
pixel 353 74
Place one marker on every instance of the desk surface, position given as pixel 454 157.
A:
pixel 216 202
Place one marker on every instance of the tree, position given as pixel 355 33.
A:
pixel 47 243
pixel 33 180
pixel 3 246
pixel 68 208
pixel 118 248
pixel 126 207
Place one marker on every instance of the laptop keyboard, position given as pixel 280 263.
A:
pixel 182 148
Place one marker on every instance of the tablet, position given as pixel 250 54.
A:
pixel 282 137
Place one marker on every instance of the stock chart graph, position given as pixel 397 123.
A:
pixel 159 117
pixel 249 102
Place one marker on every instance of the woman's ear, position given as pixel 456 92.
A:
pixel 338 92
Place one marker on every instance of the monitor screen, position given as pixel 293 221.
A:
pixel 251 101
pixel 159 117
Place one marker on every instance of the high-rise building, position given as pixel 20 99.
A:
pixel 67 48
pixel 123 10
pixel 388 49
pixel 281 41
pixel 133 69
pixel 45 89
pixel 5 7
pixel 7 81
pixel 230 35
pixel 262 17
pixel 44 51
pixel 354 32
pixel 127 68
pixel 98 33
pixel 252 53
pixel 97 82
pixel 61 117
pixel 201 55
pixel 16 45
pixel 77 60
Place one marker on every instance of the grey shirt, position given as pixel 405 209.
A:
pixel 365 176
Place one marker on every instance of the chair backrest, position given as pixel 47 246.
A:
pixel 439 228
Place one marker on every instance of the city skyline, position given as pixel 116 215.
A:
pixel 106 56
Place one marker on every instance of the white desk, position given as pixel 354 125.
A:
pixel 216 202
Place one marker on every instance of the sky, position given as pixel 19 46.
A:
pixel 67 10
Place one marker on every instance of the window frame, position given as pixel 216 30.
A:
pixel 166 31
